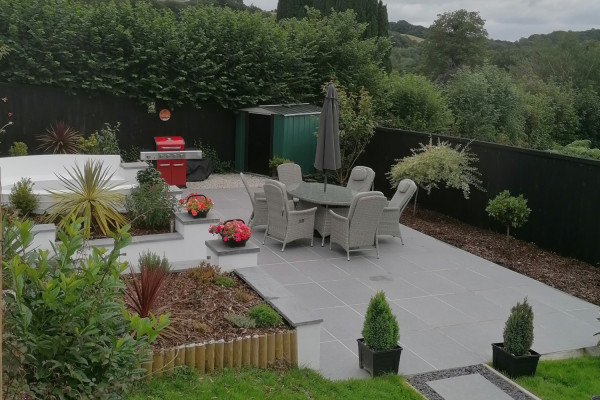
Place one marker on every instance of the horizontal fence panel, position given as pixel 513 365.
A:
pixel 563 192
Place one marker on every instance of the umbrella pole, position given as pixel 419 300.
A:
pixel 325 183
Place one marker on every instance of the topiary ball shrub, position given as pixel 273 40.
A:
pixel 149 176
pixel 509 210
pixel 264 316
pixel 518 331
pixel 22 198
pixel 380 330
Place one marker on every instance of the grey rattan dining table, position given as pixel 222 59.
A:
pixel 314 193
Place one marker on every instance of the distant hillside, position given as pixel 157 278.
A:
pixel 591 34
pixel 407 28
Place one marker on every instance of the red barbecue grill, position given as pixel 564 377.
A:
pixel 170 158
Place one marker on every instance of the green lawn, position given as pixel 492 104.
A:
pixel 258 384
pixel 576 378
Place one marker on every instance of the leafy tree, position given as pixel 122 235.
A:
pixel 430 165
pixel 405 27
pixel 579 148
pixel 357 126
pixel 509 210
pixel 412 102
pixel 455 39
pixel 486 105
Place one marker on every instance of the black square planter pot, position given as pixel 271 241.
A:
pixel 514 366
pixel 378 362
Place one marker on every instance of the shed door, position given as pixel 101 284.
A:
pixel 259 140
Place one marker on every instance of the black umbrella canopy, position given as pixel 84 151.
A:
pixel 327 155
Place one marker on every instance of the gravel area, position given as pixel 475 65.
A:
pixel 420 381
pixel 221 181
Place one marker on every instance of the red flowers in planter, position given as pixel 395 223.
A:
pixel 231 230
pixel 196 203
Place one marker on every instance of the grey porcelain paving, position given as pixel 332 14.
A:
pixel 468 387
pixel 451 305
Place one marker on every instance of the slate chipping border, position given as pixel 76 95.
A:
pixel 419 381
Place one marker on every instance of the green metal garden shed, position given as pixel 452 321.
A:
pixel 287 131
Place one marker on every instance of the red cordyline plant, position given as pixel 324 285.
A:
pixel 196 203
pixel 60 138
pixel 142 292
pixel 235 230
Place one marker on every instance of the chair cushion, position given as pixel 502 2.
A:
pixel 358 174
pixel 404 185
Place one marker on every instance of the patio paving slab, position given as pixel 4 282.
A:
pixel 451 305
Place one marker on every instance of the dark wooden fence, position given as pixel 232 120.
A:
pixel 35 108
pixel 563 192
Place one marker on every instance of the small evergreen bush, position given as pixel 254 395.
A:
pixel 149 176
pixel 276 161
pixel 108 143
pixel 240 321
pixel 89 145
pixel 508 210
pixel 264 316
pixel 518 331
pixel 380 329
pixel 22 198
pixel 223 280
pixel 17 149
pixel 209 153
pixel 151 206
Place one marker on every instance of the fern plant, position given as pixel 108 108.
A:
pixel 88 193
pixel 380 329
pixel 518 331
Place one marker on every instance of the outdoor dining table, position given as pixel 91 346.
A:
pixel 315 194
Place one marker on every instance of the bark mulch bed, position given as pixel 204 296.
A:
pixel 567 274
pixel 198 305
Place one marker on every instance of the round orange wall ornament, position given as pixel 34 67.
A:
pixel 164 114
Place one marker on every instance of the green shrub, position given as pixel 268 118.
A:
pixel 223 280
pixel 130 154
pixel 209 153
pixel 108 143
pixel 276 161
pixel 508 210
pixel 518 331
pixel 66 332
pixel 149 176
pixel 380 329
pixel 22 198
pixel 89 145
pixel 151 206
pixel 240 321
pixel 433 164
pixel 17 149
pixel 579 148
pixel 412 102
pixel 264 316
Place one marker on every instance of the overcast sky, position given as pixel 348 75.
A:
pixel 505 20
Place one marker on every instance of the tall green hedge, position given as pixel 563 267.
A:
pixel 132 49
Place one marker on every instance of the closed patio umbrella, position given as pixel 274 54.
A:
pixel 327 155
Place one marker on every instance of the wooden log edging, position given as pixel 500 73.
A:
pixel 256 351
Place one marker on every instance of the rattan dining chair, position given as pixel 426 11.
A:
pixel 259 205
pixel 361 179
pixel 289 173
pixel 358 230
pixel 389 224
pixel 284 224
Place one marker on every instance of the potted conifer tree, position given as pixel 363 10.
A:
pixel 515 355
pixel 378 349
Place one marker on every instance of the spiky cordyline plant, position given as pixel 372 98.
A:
pixel 141 294
pixel 88 194
pixel 59 138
